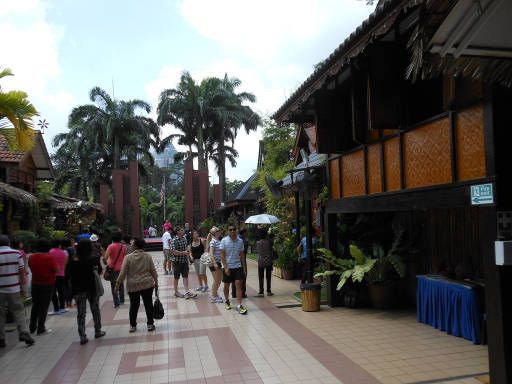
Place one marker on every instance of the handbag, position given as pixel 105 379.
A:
pixel 206 259
pixel 97 283
pixel 158 308
pixel 109 271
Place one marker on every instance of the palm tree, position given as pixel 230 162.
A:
pixel 185 108
pixel 117 124
pixel 17 112
pixel 229 116
pixel 99 136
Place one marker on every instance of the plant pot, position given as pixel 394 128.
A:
pixel 287 274
pixel 383 295
pixel 310 295
pixel 276 271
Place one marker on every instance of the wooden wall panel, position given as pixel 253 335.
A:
pixel 427 155
pixel 392 164
pixel 469 138
pixel 374 169
pixel 334 175
pixel 352 174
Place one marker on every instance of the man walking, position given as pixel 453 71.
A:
pixel 234 263
pixel 166 245
pixel 180 263
pixel 12 273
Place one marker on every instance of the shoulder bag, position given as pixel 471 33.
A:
pixel 206 259
pixel 158 308
pixel 109 271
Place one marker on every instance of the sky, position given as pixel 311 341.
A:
pixel 60 49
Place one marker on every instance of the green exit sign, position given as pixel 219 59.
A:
pixel 482 194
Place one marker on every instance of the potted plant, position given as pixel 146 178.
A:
pixel 387 270
pixel 285 259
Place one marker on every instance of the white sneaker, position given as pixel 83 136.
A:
pixel 199 289
pixel 219 300
pixel 205 288
pixel 213 299
pixel 189 295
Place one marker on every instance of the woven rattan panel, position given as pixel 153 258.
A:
pixel 353 174
pixel 469 136
pixel 374 172
pixel 427 155
pixel 334 174
pixel 392 164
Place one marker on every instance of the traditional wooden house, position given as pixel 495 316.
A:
pixel 19 172
pixel 412 111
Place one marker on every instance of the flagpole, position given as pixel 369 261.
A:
pixel 163 184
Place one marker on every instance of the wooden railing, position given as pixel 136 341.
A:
pixel 445 149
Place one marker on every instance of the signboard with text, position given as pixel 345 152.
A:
pixel 482 194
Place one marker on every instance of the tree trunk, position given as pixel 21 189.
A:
pixel 116 152
pixel 222 170
pixel 202 163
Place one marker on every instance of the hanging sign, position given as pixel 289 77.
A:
pixel 482 194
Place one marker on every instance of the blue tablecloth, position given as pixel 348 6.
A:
pixel 449 306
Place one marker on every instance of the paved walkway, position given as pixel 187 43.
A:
pixel 200 342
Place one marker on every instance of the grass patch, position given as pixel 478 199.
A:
pixel 252 256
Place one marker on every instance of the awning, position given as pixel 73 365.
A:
pixel 18 194
pixel 296 175
pixel 67 203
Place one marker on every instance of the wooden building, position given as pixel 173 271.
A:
pixel 412 111
pixel 19 172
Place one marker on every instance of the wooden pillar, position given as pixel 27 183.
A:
pixel 498 279
pixel 334 299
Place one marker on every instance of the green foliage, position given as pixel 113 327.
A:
pixel 278 142
pixel 388 265
pixel 233 186
pixel 323 195
pixel 206 224
pixel 26 237
pixel 58 235
pixel 285 253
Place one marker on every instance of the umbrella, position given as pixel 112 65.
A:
pixel 264 218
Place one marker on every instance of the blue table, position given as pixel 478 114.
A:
pixel 449 306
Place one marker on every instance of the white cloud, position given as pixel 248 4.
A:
pixel 32 53
pixel 262 29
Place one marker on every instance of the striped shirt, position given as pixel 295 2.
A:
pixel 178 244
pixel 215 247
pixel 232 250
pixel 11 263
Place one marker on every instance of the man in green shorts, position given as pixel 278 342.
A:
pixel 234 264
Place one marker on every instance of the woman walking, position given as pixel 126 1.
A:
pixel 115 255
pixel 141 277
pixel 213 241
pixel 196 249
pixel 265 262
pixel 80 270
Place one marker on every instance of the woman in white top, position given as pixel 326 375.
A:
pixel 213 244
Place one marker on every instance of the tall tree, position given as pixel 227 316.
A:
pixel 184 107
pixel 117 124
pixel 229 115
pixel 17 112
pixel 99 136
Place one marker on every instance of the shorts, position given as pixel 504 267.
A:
pixel 167 254
pixel 234 274
pixel 180 269
pixel 199 267
pixel 219 265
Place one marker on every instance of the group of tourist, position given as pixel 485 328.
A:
pixel 62 272
pixel 65 270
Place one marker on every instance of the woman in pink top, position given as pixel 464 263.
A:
pixel 115 254
pixel 61 259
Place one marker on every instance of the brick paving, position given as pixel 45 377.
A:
pixel 200 342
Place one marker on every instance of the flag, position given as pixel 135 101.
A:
pixel 162 194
